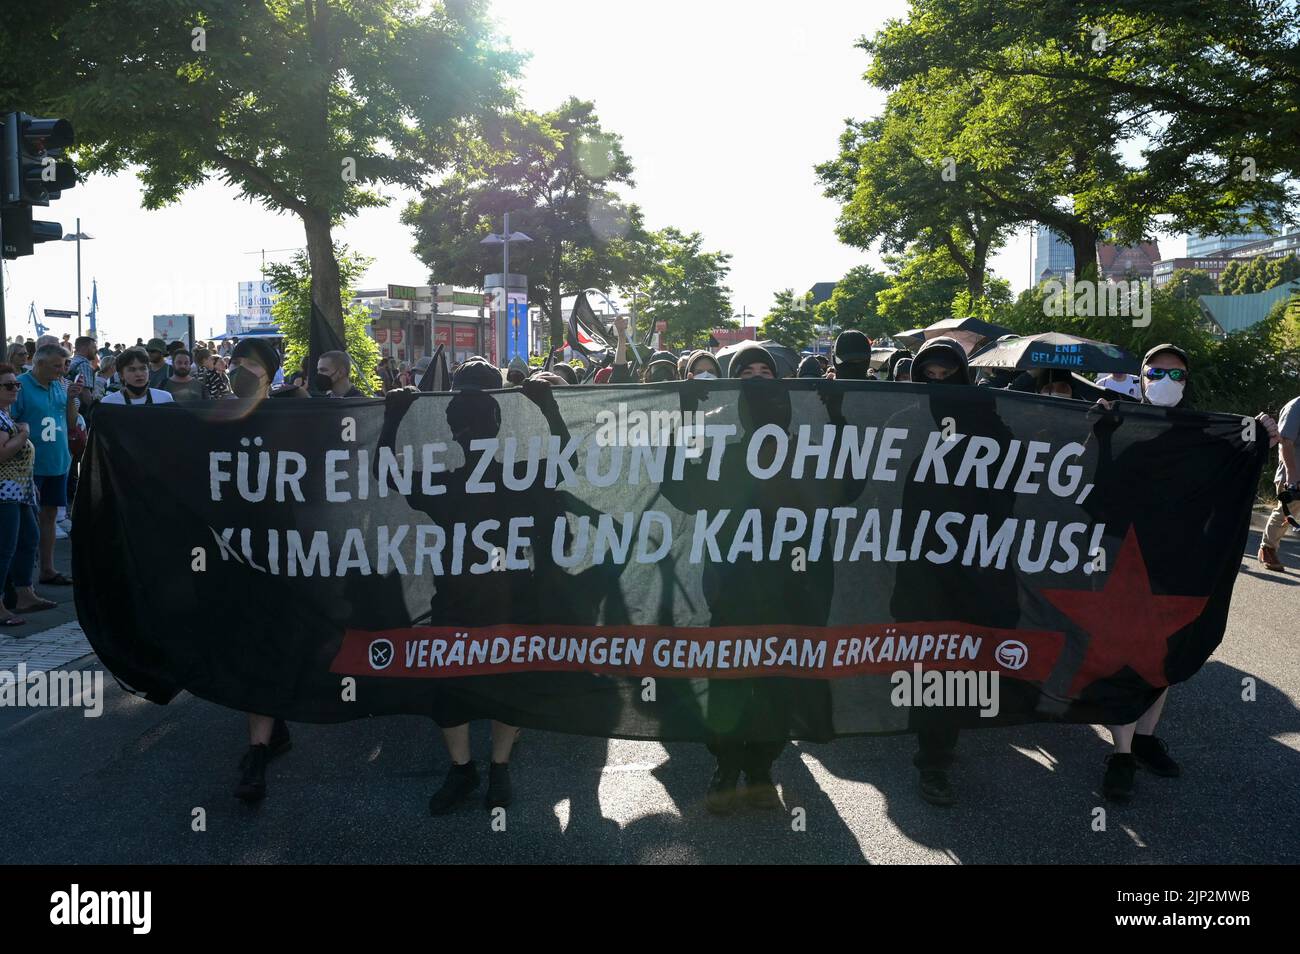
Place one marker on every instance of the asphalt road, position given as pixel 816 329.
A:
pixel 123 788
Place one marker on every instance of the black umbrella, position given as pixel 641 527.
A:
pixel 787 359
pixel 436 375
pixel 1055 350
pixel 972 333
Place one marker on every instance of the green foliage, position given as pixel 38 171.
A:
pixel 684 287
pixel 923 285
pixel 555 173
pixel 1246 277
pixel 1188 284
pixel 791 321
pixel 292 313
pixel 853 303
pixel 309 108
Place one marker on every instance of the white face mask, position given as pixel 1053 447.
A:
pixel 1165 392
pixel 705 376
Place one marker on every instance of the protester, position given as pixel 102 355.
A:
pixel 332 378
pixel 662 366
pixel 48 407
pixel 516 372
pixel 17 355
pixel 903 370
pixel 702 366
pixel 159 369
pixel 19 534
pixel 753 361
pixel 83 363
pixel 1285 480
pixel 1056 384
pixel 183 385
pixel 565 371
pixel 104 377
pixel 810 367
pixel 133 371
pixel 851 360
pixel 254 363
pixel 1121 382
pixel 212 373
pixel 451 711
pixel 1165 382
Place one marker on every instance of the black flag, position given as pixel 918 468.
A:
pixel 437 376
pixel 321 337
pixel 586 332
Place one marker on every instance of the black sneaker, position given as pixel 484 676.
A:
pixel 721 798
pixel 935 787
pixel 498 790
pixel 1153 755
pixel 252 780
pixel 760 791
pixel 1117 785
pixel 460 783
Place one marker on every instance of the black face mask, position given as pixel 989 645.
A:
pixel 134 391
pixel 244 383
pixel 321 382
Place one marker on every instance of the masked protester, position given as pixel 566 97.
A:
pixel 662 366
pixel 703 366
pixel 333 376
pixel 810 367
pixel 133 370
pixel 1166 379
pixel 978 596
pixel 254 363
pixel 903 370
pixel 851 360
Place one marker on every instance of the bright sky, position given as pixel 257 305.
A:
pixel 724 108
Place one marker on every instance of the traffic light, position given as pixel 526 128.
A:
pixel 33 171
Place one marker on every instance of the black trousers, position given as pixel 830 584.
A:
pixel 749 757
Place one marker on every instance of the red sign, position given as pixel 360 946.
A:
pixel 466 337
pixel 381 335
pixel 442 336
pixel 397 336
pixel 729 336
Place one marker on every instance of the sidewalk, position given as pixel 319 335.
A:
pixel 52 638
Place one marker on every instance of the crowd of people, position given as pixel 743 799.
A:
pixel 49 389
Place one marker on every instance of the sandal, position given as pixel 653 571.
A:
pixel 36 607
pixel 58 579
pixel 13 621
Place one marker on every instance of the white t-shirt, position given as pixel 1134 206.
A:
pixel 119 397
pixel 1129 385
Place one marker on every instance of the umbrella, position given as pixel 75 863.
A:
pixel 1056 350
pixel 787 359
pixel 972 333
pixel 880 357
pixel 435 375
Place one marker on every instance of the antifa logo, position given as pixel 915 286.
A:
pixel 381 654
pixel 1012 654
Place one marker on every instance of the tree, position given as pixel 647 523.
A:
pixel 1188 284
pixel 897 184
pixel 922 286
pixel 555 174
pixel 790 322
pixel 684 288
pixel 292 314
pixel 1204 90
pixel 307 106
pixel 853 303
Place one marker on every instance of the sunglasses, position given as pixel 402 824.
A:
pixel 1175 374
pixel 11 385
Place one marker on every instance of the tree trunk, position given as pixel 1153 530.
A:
pixel 975 277
pixel 325 291
pixel 1083 238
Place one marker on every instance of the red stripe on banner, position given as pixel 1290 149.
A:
pixel 720 652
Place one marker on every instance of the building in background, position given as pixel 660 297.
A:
pixel 255 301
pixel 1212 265
pixel 1202 245
pixel 1053 255
pixel 1125 262
pixel 408 322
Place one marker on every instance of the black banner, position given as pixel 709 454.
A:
pixel 762 559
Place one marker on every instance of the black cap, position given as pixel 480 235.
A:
pixel 259 350
pixel 810 367
pixel 703 357
pixel 476 374
pixel 1167 348
pixel 565 371
pixel 851 347
pixel 752 354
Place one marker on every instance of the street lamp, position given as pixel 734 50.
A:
pixel 77 236
pixel 505 239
